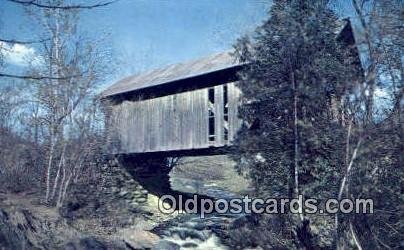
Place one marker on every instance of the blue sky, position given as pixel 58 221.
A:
pixel 145 34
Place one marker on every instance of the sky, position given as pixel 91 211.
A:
pixel 147 34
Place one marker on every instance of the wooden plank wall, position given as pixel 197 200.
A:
pixel 174 122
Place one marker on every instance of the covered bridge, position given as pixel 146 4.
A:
pixel 185 107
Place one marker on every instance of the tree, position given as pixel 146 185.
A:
pixel 73 65
pixel 316 124
pixel 51 4
pixel 295 89
pixel 381 41
pixel 18 156
pixel 378 173
pixel 44 5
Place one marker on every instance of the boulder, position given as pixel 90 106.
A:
pixel 124 193
pixel 89 243
pixel 190 245
pixel 139 239
pixel 141 200
pixel 166 245
pixel 137 192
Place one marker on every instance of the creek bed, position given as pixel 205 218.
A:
pixel 189 231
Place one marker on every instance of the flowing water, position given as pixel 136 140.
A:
pixel 189 231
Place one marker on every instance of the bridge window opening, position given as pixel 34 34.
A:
pixel 211 129
pixel 225 113
pixel 211 115
pixel 212 95
pixel 226 134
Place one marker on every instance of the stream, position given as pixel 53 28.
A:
pixel 189 231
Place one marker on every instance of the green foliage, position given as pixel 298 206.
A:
pixel 296 45
pixel 295 56
pixel 303 105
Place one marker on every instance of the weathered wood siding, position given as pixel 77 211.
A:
pixel 174 122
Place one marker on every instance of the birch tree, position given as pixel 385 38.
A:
pixel 42 5
pixel 74 64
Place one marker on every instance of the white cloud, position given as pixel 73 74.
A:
pixel 19 55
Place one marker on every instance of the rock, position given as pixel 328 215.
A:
pixel 142 224
pixel 184 233
pixel 190 245
pixel 138 239
pixel 115 190
pixel 116 162
pixel 137 195
pixel 137 192
pixel 89 243
pixel 124 193
pixel 246 220
pixel 10 236
pixel 141 200
pixel 144 191
pixel 134 209
pixel 130 181
pixel 199 226
pixel 166 245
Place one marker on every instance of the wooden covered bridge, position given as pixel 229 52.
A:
pixel 187 107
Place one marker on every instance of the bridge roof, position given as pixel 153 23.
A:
pixel 174 72
pixel 185 70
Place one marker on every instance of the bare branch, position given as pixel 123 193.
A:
pixel 33 77
pixel 14 41
pixel 348 170
pixel 63 7
pixel 354 237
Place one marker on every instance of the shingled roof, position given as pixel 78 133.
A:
pixel 186 70
pixel 173 73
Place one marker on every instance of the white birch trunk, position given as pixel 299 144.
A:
pixel 61 162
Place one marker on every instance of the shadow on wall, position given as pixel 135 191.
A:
pixel 153 174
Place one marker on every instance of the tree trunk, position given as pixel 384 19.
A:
pixel 49 167
pixel 59 201
pixel 344 184
pixel 61 162
pixel 296 140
